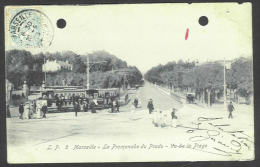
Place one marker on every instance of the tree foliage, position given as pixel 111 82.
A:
pixel 23 66
pixel 205 76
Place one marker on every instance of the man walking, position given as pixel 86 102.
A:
pixel 117 105
pixel 150 106
pixel 112 105
pixel 76 108
pixel 230 109
pixel 92 106
pixel 44 110
pixel 21 110
pixel 136 102
pixel 85 106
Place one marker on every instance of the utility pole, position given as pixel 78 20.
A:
pixel 225 96
pixel 45 72
pixel 88 68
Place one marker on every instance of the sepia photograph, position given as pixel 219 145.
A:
pixel 129 83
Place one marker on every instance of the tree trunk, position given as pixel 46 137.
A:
pixel 203 96
pixel 209 92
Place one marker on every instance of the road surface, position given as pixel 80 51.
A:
pixel 128 126
pixel 65 125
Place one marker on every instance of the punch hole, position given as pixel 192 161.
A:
pixel 61 23
pixel 203 20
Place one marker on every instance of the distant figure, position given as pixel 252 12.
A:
pixel 158 120
pixel 31 111
pixel 85 106
pixel 117 105
pixel 26 110
pixel 76 108
pixel 92 107
pixel 230 109
pixel 34 106
pixel 150 106
pixel 173 114
pixel 44 110
pixel 126 98
pixel 8 114
pixel 136 102
pixel 112 105
pixel 21 110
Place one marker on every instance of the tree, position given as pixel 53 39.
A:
pixel 205 79
pixel 78 65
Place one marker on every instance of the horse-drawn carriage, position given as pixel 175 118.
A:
pixel 190 97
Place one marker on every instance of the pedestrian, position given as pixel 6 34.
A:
pixel 31 111
pixel 21 110
pixel 112 105
pixel 136 102
pixel 157 119
pixel 85 106
pixel 173 114
pixel 92 106
pixel 44 110
pixel 66 99
pixel 26 110
pixel 230 109
pixel 117 105
pixel 150 106
pixel 76 108
pixel 8 113
pixel 34 106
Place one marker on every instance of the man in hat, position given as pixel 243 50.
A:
pixel 150 106
pixel 230 109
pixel 21 110
pixel 44 110
pixel 85 106
pixel 117 105
pixel 76 108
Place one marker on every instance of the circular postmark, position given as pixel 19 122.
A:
pixel 31 28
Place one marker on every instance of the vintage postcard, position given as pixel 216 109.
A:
pixel 129 83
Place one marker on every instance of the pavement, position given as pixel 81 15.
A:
pixel 195 135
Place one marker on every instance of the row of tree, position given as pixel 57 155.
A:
pixel 106 70
pixel 207 79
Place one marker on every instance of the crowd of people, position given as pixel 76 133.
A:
pixel 28 109
pixel 161 118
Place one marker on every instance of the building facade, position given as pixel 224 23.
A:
pixel 55 65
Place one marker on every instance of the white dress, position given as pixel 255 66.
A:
pixel 26 111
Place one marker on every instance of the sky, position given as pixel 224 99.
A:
pixel 146 35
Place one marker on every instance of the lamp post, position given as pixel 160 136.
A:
pixel 88 64
pixel 227 65
pixel 44 69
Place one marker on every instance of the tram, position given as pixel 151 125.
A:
pixel 63 98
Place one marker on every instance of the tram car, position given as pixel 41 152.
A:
pixel 62 98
